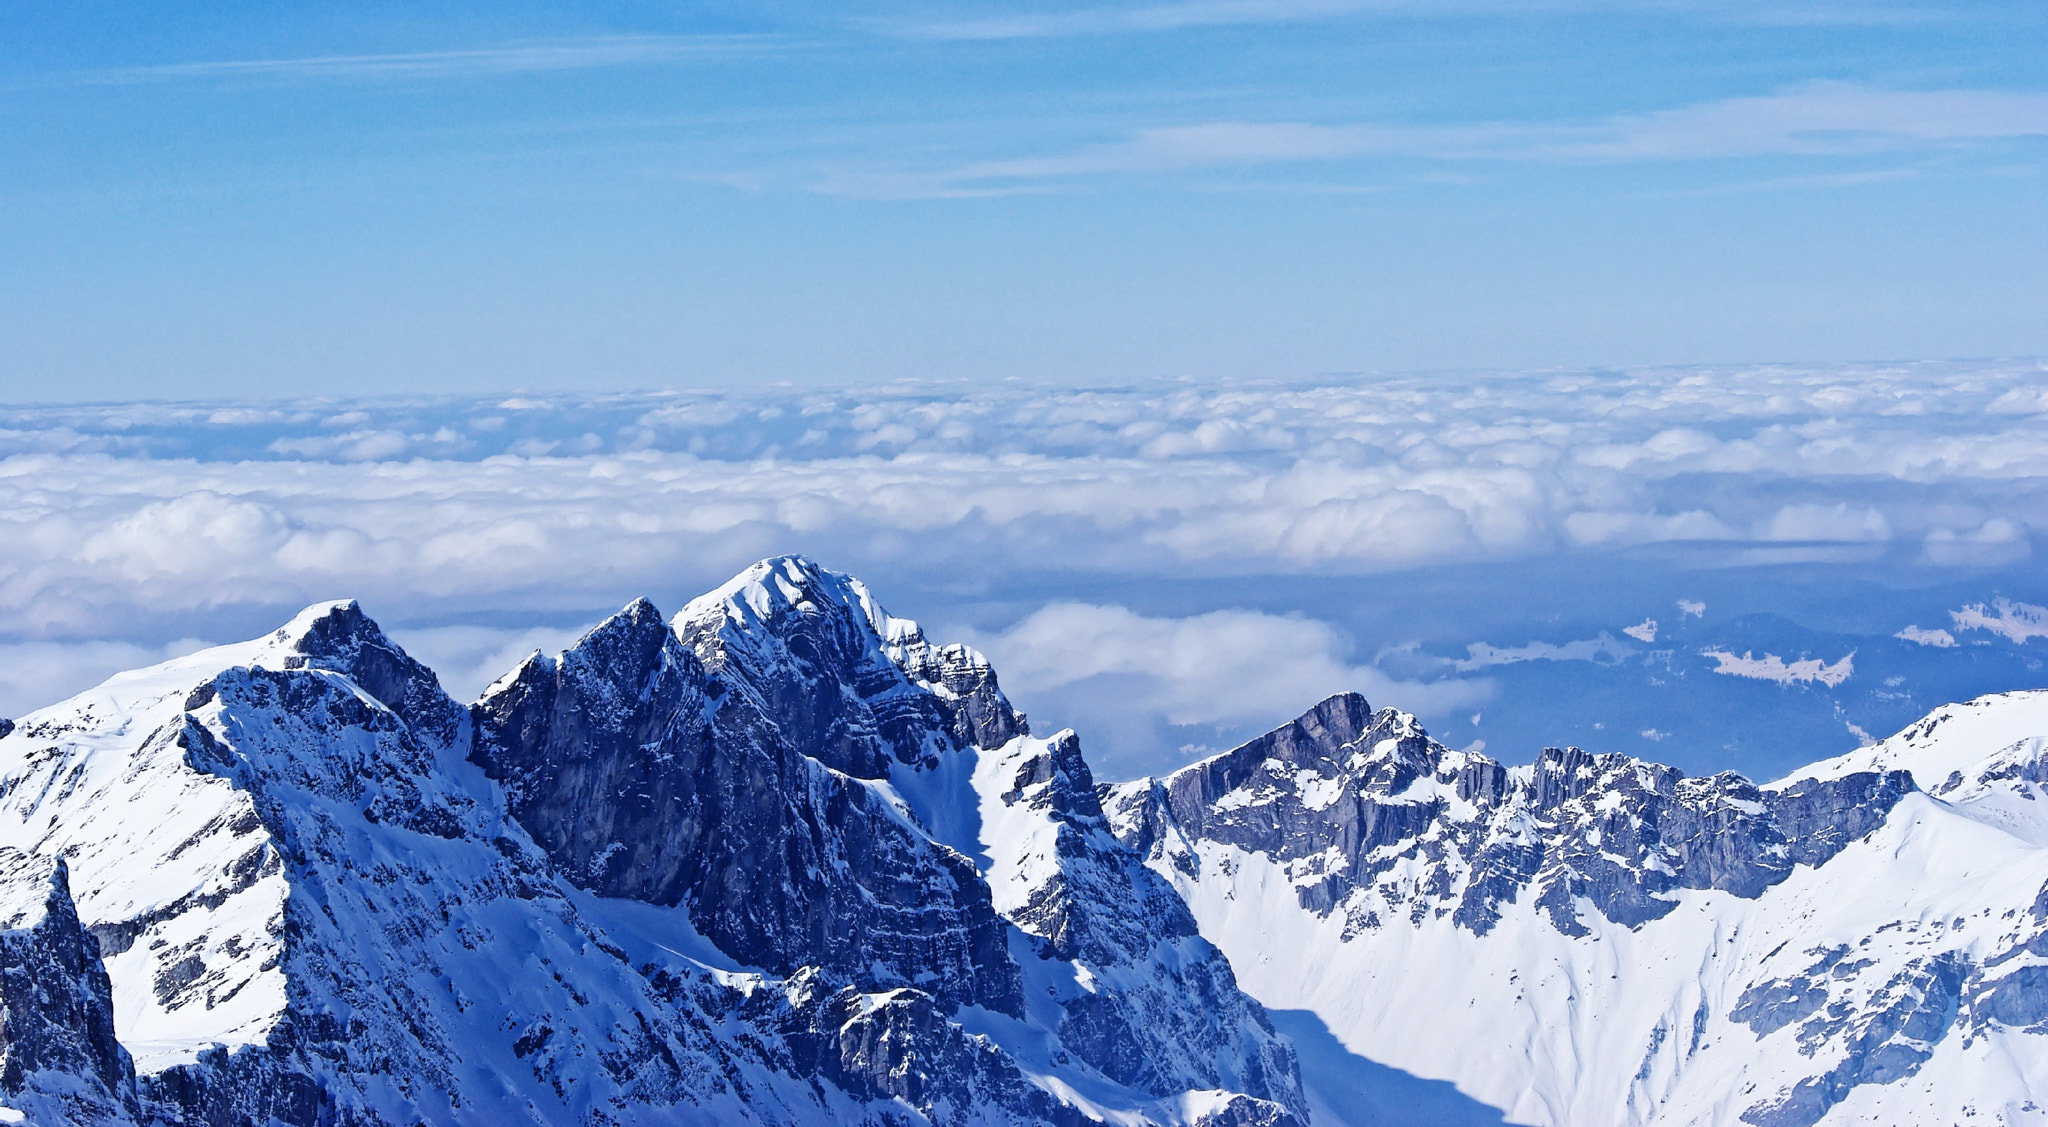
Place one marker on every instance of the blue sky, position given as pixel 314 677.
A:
pixel 223 199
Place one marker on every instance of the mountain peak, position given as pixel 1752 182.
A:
pixel 841 673
pixel 325 621
pixel 769 591
pixel 338 637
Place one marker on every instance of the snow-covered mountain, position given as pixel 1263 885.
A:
pixel 1594 939
pixel 781 861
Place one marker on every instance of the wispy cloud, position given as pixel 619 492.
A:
pixel 1134 19
pixel 478 528
pixel 1820 119
pixel 502 59
pixel 1140 19
pixel 1817 119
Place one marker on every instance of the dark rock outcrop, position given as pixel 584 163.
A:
pixel 854 687
pixel 646 776
pixel 329 915
pixel 59 1059
pixel 1372 790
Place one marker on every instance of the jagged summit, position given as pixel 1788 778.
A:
pixel 842 673
pixel 769 589
pixel 340 638
pixel 810 779
pixel 1349 797
pixel 1597 939
pixel 782 859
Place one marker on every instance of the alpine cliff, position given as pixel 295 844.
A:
pixel 781 859
pixel 1596 940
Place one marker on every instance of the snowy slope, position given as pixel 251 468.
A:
pixel 782 859
pixel 1593 941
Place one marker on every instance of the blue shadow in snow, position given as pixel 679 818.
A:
pixel 1347 1090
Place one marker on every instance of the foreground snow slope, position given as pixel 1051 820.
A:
pixel 1596 940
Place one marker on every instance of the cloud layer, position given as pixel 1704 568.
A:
pixel 1120 677
pixel 484 527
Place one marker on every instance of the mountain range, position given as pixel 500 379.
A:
pixel 781 859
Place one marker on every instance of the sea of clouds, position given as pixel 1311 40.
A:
pixel 1141 562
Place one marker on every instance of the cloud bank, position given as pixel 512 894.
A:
pixel 482 527
pixel 1115 675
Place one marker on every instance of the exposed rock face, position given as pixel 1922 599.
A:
pixel 59 1059
pixel 345 641
pixel 675 905
pixel 1593 939
pixel 646 776
pixel 1179 1022
pixel 900 1045
pixel 1345 794
pixel 789 762
pixel 839 675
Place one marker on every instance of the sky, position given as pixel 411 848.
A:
pixel 262 200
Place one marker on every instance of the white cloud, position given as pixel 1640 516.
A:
pixel 1224 667
pixel 1111 673
pixel 1996 541
pixel 121 522
pixel 1644 631
pixel 1771 667
pixel 1691 608
pixel 2013 621
pixel 1840 522
pixel 2021 401
pixel 1619 528
pixel 510 58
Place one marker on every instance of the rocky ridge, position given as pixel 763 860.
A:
pixel 814 778
pixel 659 878
pixel 1602 940
pixel 59 1059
